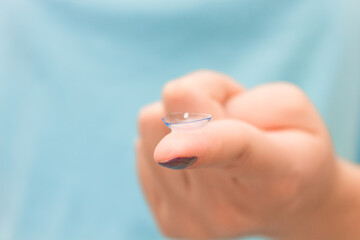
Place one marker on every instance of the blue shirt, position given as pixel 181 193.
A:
pixel 73 75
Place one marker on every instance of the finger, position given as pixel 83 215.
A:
pixel 201 91
pixel 152 130
pixel 219 144
pixel 149 186
pixel 275 106
pixel 162 187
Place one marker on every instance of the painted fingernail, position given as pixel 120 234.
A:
pixel 178 163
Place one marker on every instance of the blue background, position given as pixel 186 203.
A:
pixel 74 74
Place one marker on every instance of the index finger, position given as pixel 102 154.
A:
pixel 200 91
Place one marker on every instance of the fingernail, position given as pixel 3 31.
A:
pixel 178 163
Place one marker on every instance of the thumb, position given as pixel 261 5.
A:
pixel 221 143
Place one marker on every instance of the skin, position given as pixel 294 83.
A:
pixel 265 165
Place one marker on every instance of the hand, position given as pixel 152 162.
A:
pixel 264 165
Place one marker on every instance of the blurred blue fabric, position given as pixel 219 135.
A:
pixel 73 75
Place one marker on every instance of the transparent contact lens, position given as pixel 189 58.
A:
pixel 186 121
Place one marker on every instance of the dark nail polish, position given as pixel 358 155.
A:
pixel 178 163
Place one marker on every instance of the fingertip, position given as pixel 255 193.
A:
pixel 180 145
pixel 215 144
pixel 172 146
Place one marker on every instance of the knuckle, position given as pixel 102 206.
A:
pixel 176 90
pixel 170 88
pixel 294 97
pixel 293 92
pixel 184 86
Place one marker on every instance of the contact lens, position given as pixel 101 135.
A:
pixel 186 121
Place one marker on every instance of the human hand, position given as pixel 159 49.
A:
pixel 264 165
